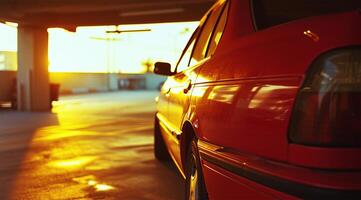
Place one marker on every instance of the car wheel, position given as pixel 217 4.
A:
pixel 160 149
pixel 195 187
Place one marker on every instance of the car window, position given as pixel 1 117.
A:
pixel 200 49
pixel 268 13
pixel 184 61
pixel 218 32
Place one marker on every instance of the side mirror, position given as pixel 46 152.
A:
pixel 163 68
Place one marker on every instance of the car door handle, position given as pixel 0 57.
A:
pixel 189 87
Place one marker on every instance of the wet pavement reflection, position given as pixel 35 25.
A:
pixel 97 146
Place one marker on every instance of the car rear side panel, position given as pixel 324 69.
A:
pixel 244 95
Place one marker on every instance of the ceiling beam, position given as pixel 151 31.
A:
pixel 70 13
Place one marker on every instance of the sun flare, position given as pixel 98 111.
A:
pixel 92 49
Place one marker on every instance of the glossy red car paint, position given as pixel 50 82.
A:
pixel 238 103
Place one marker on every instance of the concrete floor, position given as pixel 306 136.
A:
pixel 97 146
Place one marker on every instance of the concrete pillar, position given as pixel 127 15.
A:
pixel 33 77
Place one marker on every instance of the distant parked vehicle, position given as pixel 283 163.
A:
pixel 265 102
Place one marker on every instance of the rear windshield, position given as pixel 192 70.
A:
pixel 269 13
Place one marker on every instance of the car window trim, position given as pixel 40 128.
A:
pixel 224 5
pixel 253 16
pixel 195 36
pixel 200 32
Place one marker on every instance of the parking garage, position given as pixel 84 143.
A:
pixel 95 141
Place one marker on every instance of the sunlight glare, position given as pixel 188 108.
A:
pixel 72 163
pixel 8 38
pixel 91 49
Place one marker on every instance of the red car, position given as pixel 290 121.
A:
pixel 265 102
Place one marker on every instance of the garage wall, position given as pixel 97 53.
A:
pixel 80 82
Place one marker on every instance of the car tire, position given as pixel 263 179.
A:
pixel 195 187
pixel 160 150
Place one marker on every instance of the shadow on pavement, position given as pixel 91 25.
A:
pixel 16 133
pixel 97 146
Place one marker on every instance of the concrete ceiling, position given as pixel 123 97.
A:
pixel 72 13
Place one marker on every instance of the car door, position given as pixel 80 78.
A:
pixel 164 96
pixel 181 84
pixel 241 107
pixel 162 99
pixel 173 84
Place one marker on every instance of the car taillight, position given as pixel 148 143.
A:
pixel 327 110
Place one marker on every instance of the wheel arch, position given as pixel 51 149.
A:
pixel 188 133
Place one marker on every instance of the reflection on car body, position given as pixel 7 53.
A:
pixel 265 102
